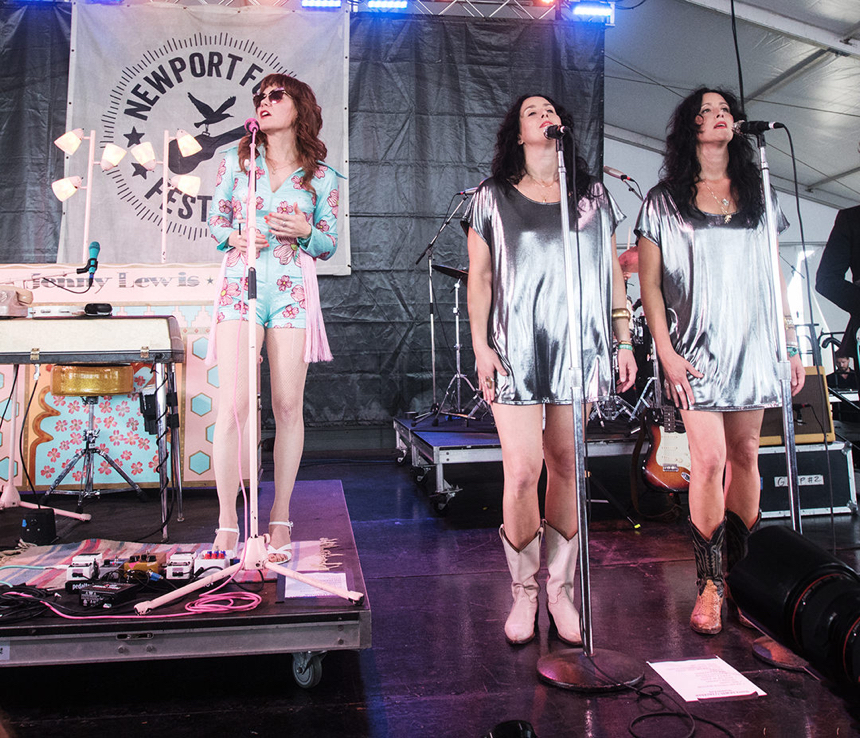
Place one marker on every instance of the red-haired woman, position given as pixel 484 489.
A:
pixel 296 211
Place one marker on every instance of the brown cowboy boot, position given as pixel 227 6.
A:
pixel 707 613
pixel 737 536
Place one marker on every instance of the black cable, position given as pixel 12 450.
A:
pixel 656 692
pixel 738 57
pixel 74 292
pixel 630 7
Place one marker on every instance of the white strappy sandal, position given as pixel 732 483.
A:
pixel 231 552
pixel 282 554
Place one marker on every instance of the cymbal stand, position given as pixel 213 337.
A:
pixel 428 252
pixel 456 383
pixel 255 556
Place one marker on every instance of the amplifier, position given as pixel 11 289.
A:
pixel 815 478
pixel 811 411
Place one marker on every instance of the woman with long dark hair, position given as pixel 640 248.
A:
pixel 705 279
pixel 296 211
pixel 519 323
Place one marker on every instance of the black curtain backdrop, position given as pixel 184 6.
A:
pixel 426 97
pixel 34 77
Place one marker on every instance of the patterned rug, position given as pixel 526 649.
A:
pixel 45 566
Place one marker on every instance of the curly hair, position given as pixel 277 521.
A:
pixel 307 126
pixel 509 161
pixel 681 168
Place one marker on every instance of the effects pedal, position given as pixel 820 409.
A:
pixel 39 527
pixel 148 562
pixel 84 567
pixel 107 594
pixel 208 561
pixel 180 566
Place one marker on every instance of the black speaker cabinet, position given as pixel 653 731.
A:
pixel 811 411
pixel 815 476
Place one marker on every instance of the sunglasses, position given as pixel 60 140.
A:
pixel 274 97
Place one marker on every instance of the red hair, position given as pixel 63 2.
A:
pixel 307 126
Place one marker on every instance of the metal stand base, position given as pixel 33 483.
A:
pixel 768 650
pixel 572 669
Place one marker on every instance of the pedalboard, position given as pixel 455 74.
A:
pixel 107 594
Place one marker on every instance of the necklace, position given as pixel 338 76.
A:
pixel 723 204
pixel 277 168
pixel 546 186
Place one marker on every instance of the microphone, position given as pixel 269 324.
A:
pixel 252 125
pixel 554 132
pixel 466 193
pixel 617 173
pixel 92 263
pixel 755 126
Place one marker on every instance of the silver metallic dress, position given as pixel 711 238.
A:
pixel 528 325
pixel 719 305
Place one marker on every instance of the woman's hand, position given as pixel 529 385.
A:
pixel 798 374
pixel 239 241
pixel 675 370
pixel 488 363
pixel 626 370
pixel 284 226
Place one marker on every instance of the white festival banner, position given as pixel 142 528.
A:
pixel 138 71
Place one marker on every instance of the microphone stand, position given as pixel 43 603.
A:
pixel 784 370
pixel 765 647
pixel 586 669
pixel 428 252
pixel 255 556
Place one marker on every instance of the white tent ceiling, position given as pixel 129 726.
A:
pixel 801 66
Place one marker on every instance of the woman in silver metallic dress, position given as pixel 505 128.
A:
pixel 518 316
pixel 704 268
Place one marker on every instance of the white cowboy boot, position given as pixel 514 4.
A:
pixel 523 565
pixel 561 556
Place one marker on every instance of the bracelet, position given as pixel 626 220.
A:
pixel 625 345
pixel 619 313
pixel 789 322
pixel 792 351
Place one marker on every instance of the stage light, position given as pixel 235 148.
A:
pixel 387 4
pixel 144 153
pixel 320 3
pixel 111 156
pixel 66 187
pixel 188 184
pixel 602 12
pixel 68 143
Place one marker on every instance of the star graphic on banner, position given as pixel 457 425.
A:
pixel 139 170
pixel 210 281
pixel 133 138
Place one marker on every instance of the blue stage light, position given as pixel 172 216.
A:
pixel 602 12
pixel 321 3
pixel 387 4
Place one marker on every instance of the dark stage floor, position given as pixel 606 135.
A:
pixel 439 664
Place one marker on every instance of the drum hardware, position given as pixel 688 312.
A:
pixel 428 252
pixel 477 406
pixel 91 382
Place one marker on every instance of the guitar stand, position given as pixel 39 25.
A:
pixel 87 452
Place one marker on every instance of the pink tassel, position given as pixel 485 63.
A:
pixel 316 341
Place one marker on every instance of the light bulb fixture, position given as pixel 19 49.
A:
pixel 187 184
pixel 66 187
pixel 144 153
pixel 69 142
pixel 387 4
pixel 593 10
pixel 320 3
pixel 188 145
pixel 111 156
